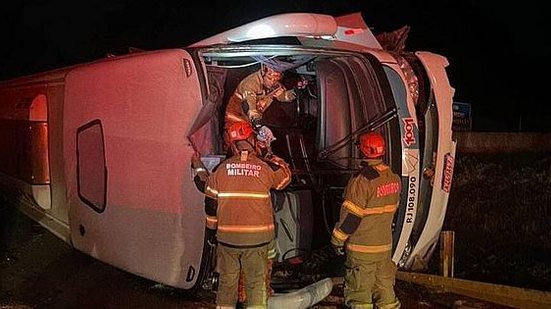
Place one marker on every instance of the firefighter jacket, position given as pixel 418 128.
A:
pixel 251 99
pixel 371 198
pixel 241 185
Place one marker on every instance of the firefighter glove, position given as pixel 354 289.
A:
pixel 302 83
pixel 277 160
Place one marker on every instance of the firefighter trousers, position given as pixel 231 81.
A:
pixel 254 263
pixel 369 280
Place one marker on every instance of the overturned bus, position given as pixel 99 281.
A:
pixel 99 153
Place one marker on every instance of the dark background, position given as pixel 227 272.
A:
pixel 498 51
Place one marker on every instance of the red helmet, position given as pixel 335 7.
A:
pixel 372 144
pixel 240 131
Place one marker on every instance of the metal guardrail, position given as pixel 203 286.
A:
pixel 495 293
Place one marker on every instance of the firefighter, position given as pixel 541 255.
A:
pixel 245 232
pixel 363 231
pixel 264 138
pixel 254 94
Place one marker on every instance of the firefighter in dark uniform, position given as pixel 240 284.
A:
pixel 241 186
pixel 364 231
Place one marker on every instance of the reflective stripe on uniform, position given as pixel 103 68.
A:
pixel 237 94
pixel 358 211
pixel 369 249
pixel 243 195
pixel 246 94
pixel 210 192
pixel 211 222
pixel 282 183
pixel 200 169
pixel 230 117
pixel 272 253
pixel 380 210
pixel 340 235
pixel 246 228
pixel 353 208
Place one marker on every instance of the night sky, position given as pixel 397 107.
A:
pixel 498 52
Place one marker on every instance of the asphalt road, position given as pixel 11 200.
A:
pixel 45 272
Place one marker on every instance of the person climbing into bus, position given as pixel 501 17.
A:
pixel 245 232
pixel 364 230
pixel 254 94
